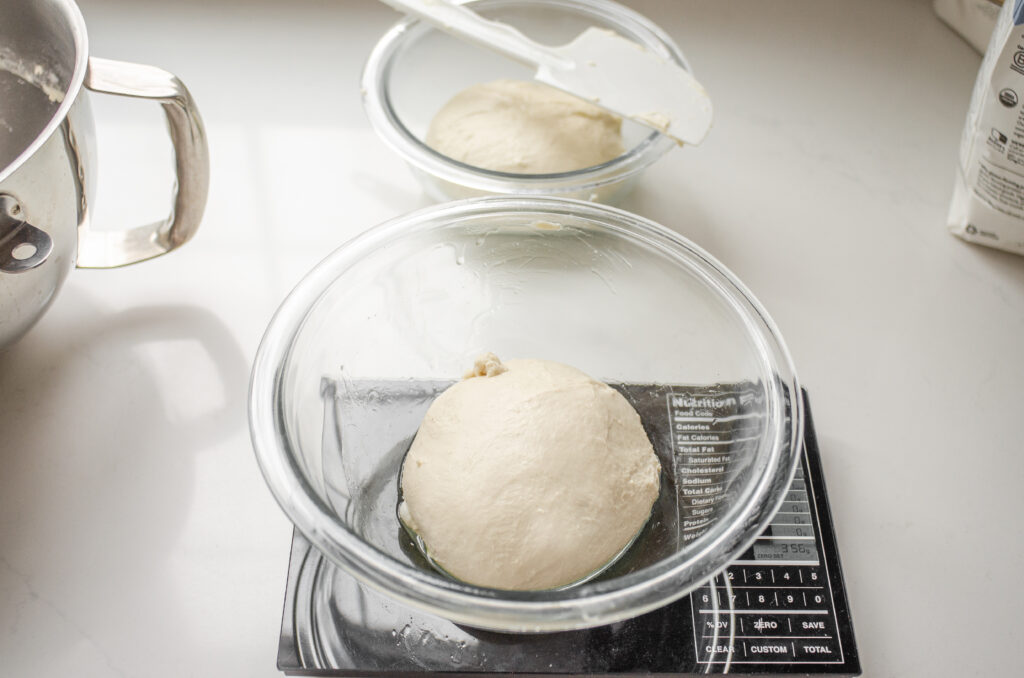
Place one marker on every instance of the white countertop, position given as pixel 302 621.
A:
pixel 137 537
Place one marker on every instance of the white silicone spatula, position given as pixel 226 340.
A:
pixel 598 65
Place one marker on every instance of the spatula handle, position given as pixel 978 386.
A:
pixel 466 24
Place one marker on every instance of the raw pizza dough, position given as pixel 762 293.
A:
pixel 528 475
pixel 524 127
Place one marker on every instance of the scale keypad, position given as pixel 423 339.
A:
pixel 773 604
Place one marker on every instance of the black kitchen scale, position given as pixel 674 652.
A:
pixel 780 608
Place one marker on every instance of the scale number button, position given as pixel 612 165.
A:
pixel 789 576
pixel 765 599
pixel 813 576
pixel 757 576
pixel 792 599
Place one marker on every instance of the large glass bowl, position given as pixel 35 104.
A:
pixel 415 69
pixel 363 344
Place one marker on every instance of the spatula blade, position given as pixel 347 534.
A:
pixel 623 77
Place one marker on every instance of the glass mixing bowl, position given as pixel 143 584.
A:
pixel 415 69
pixel 360 348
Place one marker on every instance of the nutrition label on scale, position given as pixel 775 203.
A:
pixel 772 605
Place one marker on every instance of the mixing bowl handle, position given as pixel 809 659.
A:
pixel 106 249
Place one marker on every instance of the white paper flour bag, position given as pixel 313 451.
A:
pixel 988 198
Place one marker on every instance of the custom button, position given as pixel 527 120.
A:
pixel 768 650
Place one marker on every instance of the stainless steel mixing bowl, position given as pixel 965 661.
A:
pixel 47 171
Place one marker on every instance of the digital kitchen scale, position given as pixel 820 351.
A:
pixel 781 607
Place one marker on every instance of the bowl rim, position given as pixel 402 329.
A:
pixel 390 128
pixel 589 604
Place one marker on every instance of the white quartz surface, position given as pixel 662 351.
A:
pixel 137 537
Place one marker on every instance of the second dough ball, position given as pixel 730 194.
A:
pixel 523 127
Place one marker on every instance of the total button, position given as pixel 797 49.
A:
pixel 822 650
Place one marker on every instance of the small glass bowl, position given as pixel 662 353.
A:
pixel 375 332
pixel 415 69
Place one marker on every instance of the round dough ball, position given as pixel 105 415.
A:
pixel 528 475
pixel 524 127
